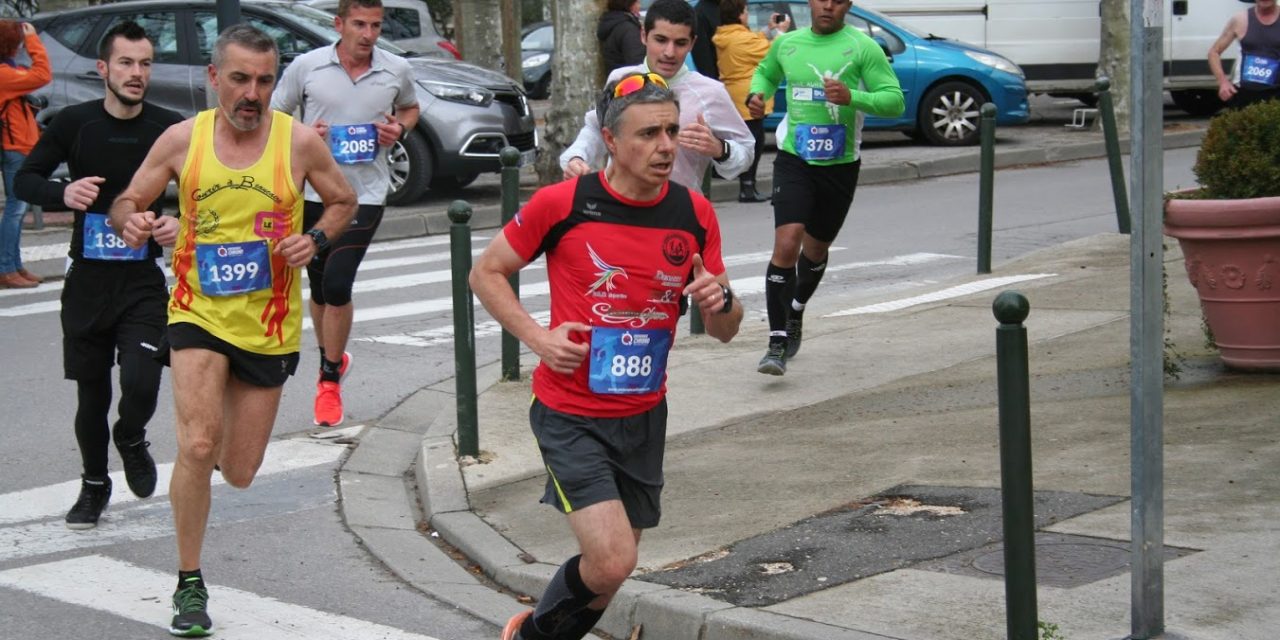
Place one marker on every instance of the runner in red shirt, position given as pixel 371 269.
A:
pixel 623 248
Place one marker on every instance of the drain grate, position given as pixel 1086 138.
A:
pixel 902 527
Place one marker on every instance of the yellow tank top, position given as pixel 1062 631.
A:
pixel 228 280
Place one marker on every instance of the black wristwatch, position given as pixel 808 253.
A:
pixel 728 299
pixel 318 237
pixel 724 151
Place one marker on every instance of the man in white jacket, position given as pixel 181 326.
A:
pixel 711 129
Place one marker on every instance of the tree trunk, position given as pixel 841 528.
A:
pixel 1113 58
pixel 477 37
pixel 574 69
pixel 511 24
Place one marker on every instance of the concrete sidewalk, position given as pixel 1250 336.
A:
pixel 879 405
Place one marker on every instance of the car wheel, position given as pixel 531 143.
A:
pixel 542 88
pixel 410 161
pixel 949 116
pixel 1198 102
pixel 453 183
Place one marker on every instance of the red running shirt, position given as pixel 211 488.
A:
pixel 617 264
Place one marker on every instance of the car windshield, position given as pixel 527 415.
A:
pixel 883 19
pixel 540 38
pixel 321 23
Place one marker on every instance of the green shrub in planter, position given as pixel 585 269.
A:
pixel 1240 154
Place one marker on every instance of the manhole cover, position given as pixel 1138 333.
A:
pixel 1062 560
pixel 1078 561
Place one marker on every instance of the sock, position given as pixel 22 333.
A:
pixel 184 576
pixel 808 275
pixel 777 282
pixel 329 370
pixel 322 354
pixel 565 596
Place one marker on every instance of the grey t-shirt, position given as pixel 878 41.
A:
pixel 317 87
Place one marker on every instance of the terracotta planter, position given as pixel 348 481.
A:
pixel 1232 252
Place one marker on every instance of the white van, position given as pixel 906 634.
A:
pixel 1056 41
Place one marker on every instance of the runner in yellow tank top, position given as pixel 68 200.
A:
pixel 229 283
pixel 234 323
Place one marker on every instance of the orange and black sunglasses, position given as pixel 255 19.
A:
pixel 636 82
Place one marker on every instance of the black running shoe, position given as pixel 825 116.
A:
pixel 795 323
pixel 190 611
pixel 89 506
pixel 774 362
pixel 139 468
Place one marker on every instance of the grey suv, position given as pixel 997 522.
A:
pixel 468 113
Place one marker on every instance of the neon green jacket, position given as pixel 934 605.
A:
pixel 804 58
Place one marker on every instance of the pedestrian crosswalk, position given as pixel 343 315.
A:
pixel 136 593
pixel 403 291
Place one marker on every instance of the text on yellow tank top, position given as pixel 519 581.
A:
pixel 228 280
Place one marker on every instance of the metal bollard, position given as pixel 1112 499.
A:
pixel 1112 136
pixel 464 336
pixel 1017 508
pixel 510 158
pixel 986 186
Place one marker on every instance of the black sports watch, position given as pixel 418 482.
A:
pixel 724 151
pixel 728 299
pixel 318 237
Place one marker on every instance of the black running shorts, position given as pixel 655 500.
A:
pixel 253 368
pixel 333 273
pixel 592 460
pixel 817 196
pixel 109 308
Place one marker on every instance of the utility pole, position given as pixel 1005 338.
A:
pixel 1146 331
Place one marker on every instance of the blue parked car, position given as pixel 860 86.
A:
pixel 944 81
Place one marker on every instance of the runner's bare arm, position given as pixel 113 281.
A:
pixel 162 164
pixel 707 291
pixel 1231 33
pixel 489 282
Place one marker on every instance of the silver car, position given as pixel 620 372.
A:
pixel 468 113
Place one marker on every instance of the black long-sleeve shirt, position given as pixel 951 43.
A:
pixel 93 143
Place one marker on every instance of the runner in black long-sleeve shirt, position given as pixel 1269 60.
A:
pixel 114 297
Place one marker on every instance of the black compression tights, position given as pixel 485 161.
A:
pixel 139 388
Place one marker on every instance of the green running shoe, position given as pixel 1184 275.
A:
pixel 190 615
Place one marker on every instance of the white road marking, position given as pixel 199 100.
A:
pixel 936 296
pixel 136 593
pixel 54 500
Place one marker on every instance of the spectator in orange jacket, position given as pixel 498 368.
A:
pixel 18 134
pixel 738 51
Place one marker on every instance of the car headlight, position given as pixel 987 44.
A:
pixel 1003 64
pixel 536 60
pixel 466 94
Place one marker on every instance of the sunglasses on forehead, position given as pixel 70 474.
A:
pixel 636 82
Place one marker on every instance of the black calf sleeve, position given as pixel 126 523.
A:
pixel 808 275
pixel 565 597
pixel 139 389
pixel 94 402
pixel 777 289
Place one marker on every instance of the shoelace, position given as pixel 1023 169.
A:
pixel 191 598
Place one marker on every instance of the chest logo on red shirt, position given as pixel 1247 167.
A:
pixel 675 248
pixel 605 276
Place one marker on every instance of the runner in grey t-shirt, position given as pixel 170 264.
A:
pixel 361 100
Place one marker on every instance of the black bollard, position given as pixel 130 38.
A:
pixel 1017 508
pixel 1118 193
pixel 510 158
pixel 464 335
pixel 986 188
